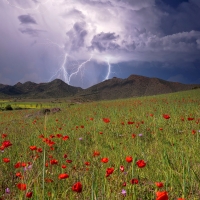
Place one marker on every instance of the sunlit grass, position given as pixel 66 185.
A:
pixel 135 127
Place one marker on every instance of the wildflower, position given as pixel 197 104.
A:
pixel 134 181
pixel 29 194
pixel 77 187
pixel 87 163
pixel 66 137
pixel 140 135
pixel 129 159
pixel 121 168
pixel 6 144
pixel 104 160
pixel 190 118
pixel 33 148
pixel 96 153
pixel 68 161
pixel 193 132
pixel 80 138
pixel 141 163
pixel 54 162
pixel 106 120
pixel 63 176
pixel 6 160
pixel 109 171
pixel 159 184
pixel 123 192
pixel 161 195
pixel 7 191
pixel 133 135
pixel 21 186
pixel 124 184
pixel 166 116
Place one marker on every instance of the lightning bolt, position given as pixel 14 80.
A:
pixel 79 67
pixel 67 77
pixel 109 70
pixel 24 9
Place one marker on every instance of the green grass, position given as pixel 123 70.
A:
pixel 168 147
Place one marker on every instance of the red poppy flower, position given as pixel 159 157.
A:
pixel 109 171
pixel 54 162
pixel 124 184
pixel 129 159
pixel 133 135
pixel 130 122
pixel 63 176
pixel 106 120
pixel 32 148
pixel 166 116
pixel 39 150
pixel 180 199
pixel 193 132
pixel 65 137
pixel 6 143
pixel 6 160
pixel 17 165
pixel 29 194
pixel 96 153
pixel 48 180
pixel 18 174
pixel 59 135
pixel 162 195
pixel 87 163
pixel 159 184
pixel 134 181
pixel 104 160
pixel 121 168
pixel 21 186
pixel 77 187
pixel 141 163
pixel 68 161
pixel 4 135
pixel 63 166
pixel 23 164
pixel 190 118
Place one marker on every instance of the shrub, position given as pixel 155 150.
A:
pixel 8 107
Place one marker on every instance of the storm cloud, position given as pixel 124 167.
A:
pixel 26 19
pixel 133 36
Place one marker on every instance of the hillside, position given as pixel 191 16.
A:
pixel 115 88
pixel 133 86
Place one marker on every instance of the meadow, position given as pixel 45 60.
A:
pixel 139 149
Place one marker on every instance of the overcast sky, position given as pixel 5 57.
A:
pixel 84 42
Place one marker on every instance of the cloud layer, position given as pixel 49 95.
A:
pixel 56 36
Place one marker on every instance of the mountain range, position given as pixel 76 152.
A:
pixel 115 88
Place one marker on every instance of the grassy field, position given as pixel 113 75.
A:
pixel 138 149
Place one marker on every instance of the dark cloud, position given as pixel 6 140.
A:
pixel 76 36
pixel 27 19
pixel 105 41
pixel 183 19
pixel 31 32
pixel 172 3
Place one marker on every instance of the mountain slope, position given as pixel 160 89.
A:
pixel 53 89
pixel 115 88
pixel 133 86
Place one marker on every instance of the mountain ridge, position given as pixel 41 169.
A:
pixel 115 88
